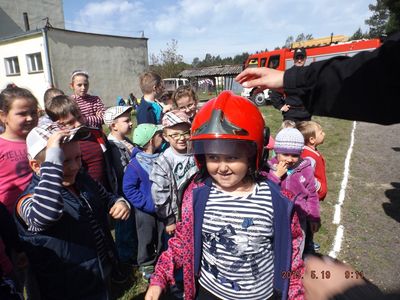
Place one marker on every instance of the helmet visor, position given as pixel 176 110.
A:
pixel 223 147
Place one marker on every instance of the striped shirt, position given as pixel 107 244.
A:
pixel 92 109
pixel 237 233
pixel 45 207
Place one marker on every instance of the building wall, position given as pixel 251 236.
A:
pixel 36 82
pixel 11 15
pixel 113 63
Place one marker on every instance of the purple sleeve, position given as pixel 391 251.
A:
pixel 313 199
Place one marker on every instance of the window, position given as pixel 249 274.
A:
pixel 263 62
pixel 253 63
pixel 12 66
pixel 274 62
pixel 34 61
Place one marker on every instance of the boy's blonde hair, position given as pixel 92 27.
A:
pixel 184 91
pixel 148 81
pixel 308 129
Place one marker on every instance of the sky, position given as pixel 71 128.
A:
pixel 218 27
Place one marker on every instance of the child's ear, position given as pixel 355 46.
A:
pixel 311 140
pixel 71 85
pixel 35 165
pixel 2 116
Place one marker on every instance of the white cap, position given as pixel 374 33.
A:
pixel 114 112
pixel 37 138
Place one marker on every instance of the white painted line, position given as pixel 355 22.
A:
pixel 337 244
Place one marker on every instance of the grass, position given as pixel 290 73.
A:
pixel 336 142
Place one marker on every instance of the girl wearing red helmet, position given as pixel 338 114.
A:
pixel 234 238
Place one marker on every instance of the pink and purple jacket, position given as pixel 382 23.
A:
pixel 185 248
pixel 301 182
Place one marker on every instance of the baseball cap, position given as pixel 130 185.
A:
pixel 37 138
pixel 114 112
pixel 300 52
pixel 144 132
pixel 175 117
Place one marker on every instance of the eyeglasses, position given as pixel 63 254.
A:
pixel 187 107
pixel 299 57
pixel 177 136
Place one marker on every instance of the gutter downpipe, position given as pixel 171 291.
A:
pixel 47 57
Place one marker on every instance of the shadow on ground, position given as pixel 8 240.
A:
pixel 392 209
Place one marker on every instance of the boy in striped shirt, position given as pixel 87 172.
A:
pixel 62 218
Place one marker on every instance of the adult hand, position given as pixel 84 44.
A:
pixel 153 293
pixel 320 287
pixel 263 77
pixel 120 210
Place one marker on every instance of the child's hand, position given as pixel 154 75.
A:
pixel 120 211
pixel 314 226
pixel 153 293
pixel 170 229
pixel 56 138
pixel 21 260
pixel 281 169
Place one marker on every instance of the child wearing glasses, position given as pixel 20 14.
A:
pixel 172 169
pixel 186 100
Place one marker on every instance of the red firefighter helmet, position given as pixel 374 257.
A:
pixel 227 122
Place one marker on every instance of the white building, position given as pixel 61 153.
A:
pixel 40 58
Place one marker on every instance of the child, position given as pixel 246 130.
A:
pixel 19 114
pixel 49 94
pixel 149 110
pixel 96 156
pixel 296 175
pixel 62 218
pixel 186 100
pixel 172 168
pixel 118 120
pixel 91 106
pixel 234 239
pixel 166 101
pixel 137 190
pixel 313 137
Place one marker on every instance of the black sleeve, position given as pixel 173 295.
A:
pixel 276 99
pixel 8 230
pixel 365 87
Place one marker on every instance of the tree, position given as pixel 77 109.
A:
pixel 358 35
pixel 393 24
pixel 288 42
pixel 168 63
pixel 380 16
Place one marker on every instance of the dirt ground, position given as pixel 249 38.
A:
pixel 371 211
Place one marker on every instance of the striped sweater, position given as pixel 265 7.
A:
pixel 92 109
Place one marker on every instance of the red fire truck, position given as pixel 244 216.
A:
pixel 317 49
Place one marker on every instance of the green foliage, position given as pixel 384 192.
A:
pixel 169 63
pixel 211 60
pixel 380 16
pixel 358 35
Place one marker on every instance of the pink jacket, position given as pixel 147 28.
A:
pixel 302 184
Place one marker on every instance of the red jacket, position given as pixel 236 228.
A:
pixel 319 170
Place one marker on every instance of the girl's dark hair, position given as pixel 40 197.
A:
pixel 8 95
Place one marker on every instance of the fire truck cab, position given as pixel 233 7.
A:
pixel 317 50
